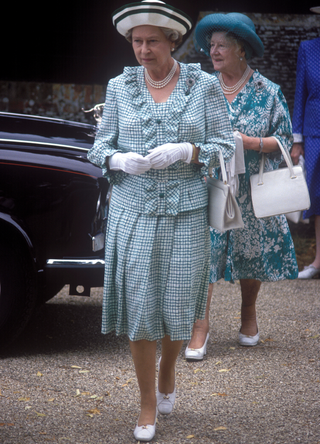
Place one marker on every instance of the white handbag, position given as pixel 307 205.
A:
pixel 281 191
pixel 224 212
pixel 296 216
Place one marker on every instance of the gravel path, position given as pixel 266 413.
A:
pixel 64 382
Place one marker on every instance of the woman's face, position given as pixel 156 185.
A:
pixel 225 54
pixel 151 47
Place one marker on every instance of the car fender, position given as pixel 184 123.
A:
pixel 10 227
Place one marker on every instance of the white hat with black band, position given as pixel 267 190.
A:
pixel 150 12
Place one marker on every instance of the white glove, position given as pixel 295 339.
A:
pixel 164 155
pixel 131 163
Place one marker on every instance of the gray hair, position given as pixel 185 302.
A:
pixel 172 35
pixel 235 40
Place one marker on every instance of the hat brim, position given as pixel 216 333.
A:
pixel 150 13
pixel 315 9
pixel 224 23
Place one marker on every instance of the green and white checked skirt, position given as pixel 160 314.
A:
pixel 156 273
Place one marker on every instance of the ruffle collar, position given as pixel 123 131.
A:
pixel 140 99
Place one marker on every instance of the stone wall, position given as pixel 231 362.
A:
pixel 281 35
pixel 65 101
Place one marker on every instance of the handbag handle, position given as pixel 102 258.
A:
pixel 286 157
pixel 223 168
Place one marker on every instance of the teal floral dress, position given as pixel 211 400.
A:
pixel 263 249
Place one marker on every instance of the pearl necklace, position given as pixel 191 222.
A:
pixel 165 81
pixel 232 89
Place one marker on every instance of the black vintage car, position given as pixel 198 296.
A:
pixel 53 210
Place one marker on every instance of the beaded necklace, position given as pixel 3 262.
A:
pixel 165 81
pixel 234 88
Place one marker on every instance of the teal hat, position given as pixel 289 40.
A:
pixel 238 25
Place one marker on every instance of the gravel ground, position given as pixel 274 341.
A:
pixel 64 382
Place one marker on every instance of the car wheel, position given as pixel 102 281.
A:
pixel 17 291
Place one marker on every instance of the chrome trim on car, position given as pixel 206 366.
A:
pixel 46 118
pixel 32 142
pixel 75 261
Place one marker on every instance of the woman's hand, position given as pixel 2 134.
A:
pixel 248 142
pixel 164 155
pixel 131 163
pixel 269 144
pixel 296 151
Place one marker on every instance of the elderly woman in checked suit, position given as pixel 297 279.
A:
pixel 162 121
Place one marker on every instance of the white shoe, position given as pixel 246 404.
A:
pixel 248 341
pixel 165 403
pixel 196 354
pixel 145 433
pixel 308 272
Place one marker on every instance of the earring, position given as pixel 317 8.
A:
pixel 241 58
pixel 172 49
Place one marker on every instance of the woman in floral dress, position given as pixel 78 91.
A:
pixel 263 250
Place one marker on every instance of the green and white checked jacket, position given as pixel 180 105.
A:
pixel 195 112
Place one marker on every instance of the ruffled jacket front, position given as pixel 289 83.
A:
pixel 132 122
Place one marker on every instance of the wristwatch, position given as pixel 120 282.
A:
pixel 193 152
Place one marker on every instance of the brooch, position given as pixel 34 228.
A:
pixel 190 83
pixel 259 85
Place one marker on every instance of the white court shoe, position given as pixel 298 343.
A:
pixel 308 272
pixel 165 403
pixel 196 354
pixel 248 341
pixel 145 433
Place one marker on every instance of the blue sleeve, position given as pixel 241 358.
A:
pixel 301 93
pixel 280 121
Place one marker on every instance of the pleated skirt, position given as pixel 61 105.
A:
pixel 156 273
